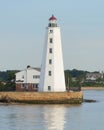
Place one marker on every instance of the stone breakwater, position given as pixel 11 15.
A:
pixel 42 98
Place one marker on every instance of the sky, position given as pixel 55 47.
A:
pixel 23 26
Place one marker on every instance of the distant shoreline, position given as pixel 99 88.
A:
pixel 92 88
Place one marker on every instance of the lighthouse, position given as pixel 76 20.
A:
pixel 52 69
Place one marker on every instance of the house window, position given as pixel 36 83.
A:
pixel 51 40
pixel 49 88
pixel 49 73
pixel 50 61
pixel 51 31
pixel 50 50
pixel 22 76
pixel 24 85
pixel 36 76
pixel 35 86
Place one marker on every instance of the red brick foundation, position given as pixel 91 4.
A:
pixel 29 87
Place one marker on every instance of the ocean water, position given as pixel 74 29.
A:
pixel 87 116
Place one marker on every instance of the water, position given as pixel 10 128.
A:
pixel 88 116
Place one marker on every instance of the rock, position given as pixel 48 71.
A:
pixel 89 100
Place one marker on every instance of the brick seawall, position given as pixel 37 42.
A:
pixel 42 98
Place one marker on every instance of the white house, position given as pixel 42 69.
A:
pixel 94 76
pixel 28 79
pixel 52 69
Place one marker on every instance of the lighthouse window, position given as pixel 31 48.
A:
pixel 51 31
pixel 50 50
pixel 49 88
pixel 52 25
pixel 51 40
pixel 50 61
pixel 49 73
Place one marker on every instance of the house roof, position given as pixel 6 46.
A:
pixel 30 68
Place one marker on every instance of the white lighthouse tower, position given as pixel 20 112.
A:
pixel 52 70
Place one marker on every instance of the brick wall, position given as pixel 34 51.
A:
pixel 19 87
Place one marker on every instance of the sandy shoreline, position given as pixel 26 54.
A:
pixel 92 88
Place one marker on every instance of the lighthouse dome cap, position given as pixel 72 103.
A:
pixel 52 18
